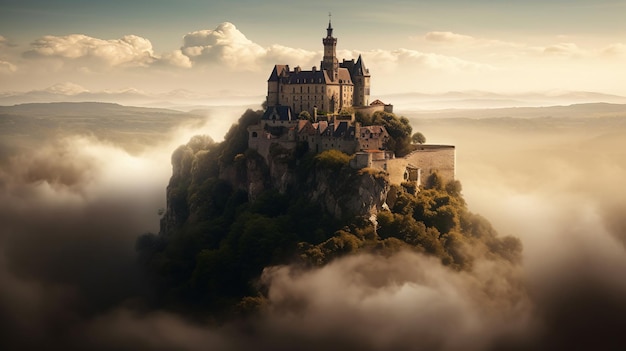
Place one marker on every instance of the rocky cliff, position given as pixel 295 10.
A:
pixel 340 191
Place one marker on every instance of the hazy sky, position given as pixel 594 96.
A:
pixel 211 46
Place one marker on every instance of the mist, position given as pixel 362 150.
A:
pixel 72 209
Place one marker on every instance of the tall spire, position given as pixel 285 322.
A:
pixel 329 30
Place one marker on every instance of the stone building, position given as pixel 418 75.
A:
pixel 329 89
pixel 324 93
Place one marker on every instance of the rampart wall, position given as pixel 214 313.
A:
pixel 434 158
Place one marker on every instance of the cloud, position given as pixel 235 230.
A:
pixel 447 37
pixel 176 58
pixel 499 49
pixel 225 45
pixel 617 49
pixel 228 46
pixel 277 54
pixel 7 67
pixel 400 302
pixel 130 50
pixel 564 50
pixel 71 210
pixel 408 60
pixel 66 88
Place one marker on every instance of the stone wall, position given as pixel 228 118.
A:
pixel 434 158
pixel 416 166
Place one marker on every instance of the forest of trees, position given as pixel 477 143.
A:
pixel 215 242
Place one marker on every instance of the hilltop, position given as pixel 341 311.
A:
pixel 231 213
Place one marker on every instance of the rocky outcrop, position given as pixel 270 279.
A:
pixel 353 193
pixel 343 192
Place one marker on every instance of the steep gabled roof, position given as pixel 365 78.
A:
pixel 344 75
pixel 306 127
pixel 277 72
pixel 359 68
pixel 322 126
pixel 281 113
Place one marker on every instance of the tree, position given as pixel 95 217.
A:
pixel 418 138
pixel 305 115
pixel 399 130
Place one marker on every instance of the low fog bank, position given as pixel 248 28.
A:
pixel 71 212
pixel 71 207
pixel 557 185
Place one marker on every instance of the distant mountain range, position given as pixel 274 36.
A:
pixel 488 100
pixel 585 110
pixel 133 128
pixel 186 100
pixel 178 99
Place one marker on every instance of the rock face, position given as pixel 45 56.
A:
pixel 341 192
pixel 344 195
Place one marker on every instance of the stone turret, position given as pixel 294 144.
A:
pixel 330 64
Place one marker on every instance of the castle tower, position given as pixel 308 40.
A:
pixel 330 64
pixel 361 80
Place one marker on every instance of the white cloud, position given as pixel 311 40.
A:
pixel 616 49
pixel 498 49
pixel 225 44
pixel 130 50
pixel 7 67
pixel 176 58
pixel 447 37
pixel 66 88
pixel 279 54
pixel 228 46
pixel 413 59
pixel 564 49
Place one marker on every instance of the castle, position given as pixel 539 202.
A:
pixel 331 88
pixel 318 107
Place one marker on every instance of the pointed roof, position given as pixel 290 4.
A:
pixel 329 30
pixel 281 113
pixel 359 68
pixel 277 72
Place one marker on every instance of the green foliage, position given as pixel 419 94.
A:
pixel 305 115
pixel 434 181
pixel 332 159
pixel 236 139
pixel 346 111
pixel 418 138
pixel 399 130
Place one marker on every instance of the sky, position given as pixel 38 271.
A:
pixel 71 210
pixel 230 47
